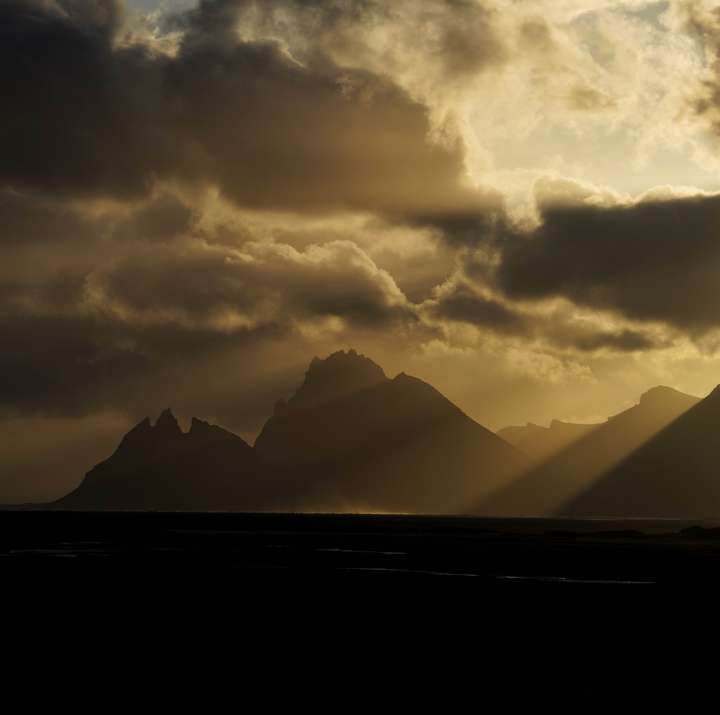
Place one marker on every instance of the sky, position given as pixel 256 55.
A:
pixel 515 200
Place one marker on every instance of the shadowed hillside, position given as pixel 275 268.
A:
pixel 546 487
pixel 675 474
pixel 541 443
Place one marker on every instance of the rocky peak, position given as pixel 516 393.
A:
pixel 340 374
pixel 139 434
pixel 200 429
pixel 198 426
pixel 167 424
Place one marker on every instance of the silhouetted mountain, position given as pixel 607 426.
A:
pixel 545 488
pixel 349 439
pixel 339 375
pixel 160 467
pixel 541 443
pixel 674 474
pixel 352 439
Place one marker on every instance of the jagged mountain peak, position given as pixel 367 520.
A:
pixel 200 429
pixel 349 361
pixel 143 426
pixel 198 426
pixel 167 422
pixel 340 374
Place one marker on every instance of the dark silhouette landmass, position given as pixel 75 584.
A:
pixel 674 474
pixel 350 439
pixel 541 443
pixel 546 488
pixel 160 467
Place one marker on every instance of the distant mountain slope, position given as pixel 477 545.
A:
pixel 675 474
pixel 541 443
pixel 385 445
pixel 160 467
pixel 547 487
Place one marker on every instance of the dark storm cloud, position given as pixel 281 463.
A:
pixel 26 219
pixel 275 135
pixel 621 341
pixel 101 16
pixel 89 114
pixel 464 304
pixel 163 218
pixel 78 114
pixel 194 284
pixel 657 260
pixel 469 226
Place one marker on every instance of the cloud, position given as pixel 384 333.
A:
pixel 196 285
pixel 622 341
pixel 82 110
pixel 162 218
pixel 95 301
pixel 650 260
pixel 29 219
pixel 462 303
pixel 555 328
pixel 702 21
pixel 451 40
pixel 96 116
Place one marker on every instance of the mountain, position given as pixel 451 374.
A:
pixel 546 488
pixel 541 443
pixel 674 474
pixel 160 467
pixel 351 439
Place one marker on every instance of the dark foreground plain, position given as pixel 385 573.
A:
pixel 247 549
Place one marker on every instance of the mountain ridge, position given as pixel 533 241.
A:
pixel 149 468
pixel 540 443
pixel 348 437
pixel 673 474
pixel 556 481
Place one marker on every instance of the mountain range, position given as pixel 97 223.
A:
pixel 540 443
pixel 551 486
pixel 351 439
pixel 676 473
